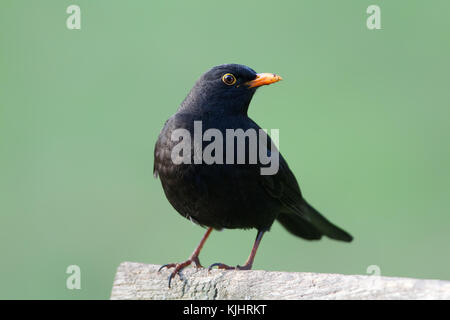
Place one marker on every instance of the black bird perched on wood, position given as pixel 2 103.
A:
pixel 226 194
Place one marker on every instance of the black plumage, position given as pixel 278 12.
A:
pixel 225 195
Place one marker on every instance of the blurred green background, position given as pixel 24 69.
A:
pixel 363 118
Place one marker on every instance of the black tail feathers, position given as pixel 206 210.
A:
pixel 308 223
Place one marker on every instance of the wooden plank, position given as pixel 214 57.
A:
pixel 143 281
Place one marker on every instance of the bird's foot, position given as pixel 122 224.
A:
pixel 227 267
pixel 180 266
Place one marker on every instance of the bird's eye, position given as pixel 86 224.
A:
pixel 229 79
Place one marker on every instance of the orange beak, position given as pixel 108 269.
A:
pixel 263 79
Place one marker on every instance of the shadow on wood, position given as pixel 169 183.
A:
pixel 142 281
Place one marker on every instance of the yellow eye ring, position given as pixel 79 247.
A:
pixel 229 79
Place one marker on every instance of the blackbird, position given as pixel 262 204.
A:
pixel 229 194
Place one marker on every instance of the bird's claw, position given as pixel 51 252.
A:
pixel 180 266
pixel 182 278
pixel 227 267
pixel 167 265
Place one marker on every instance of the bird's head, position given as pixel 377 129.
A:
pixel 226 89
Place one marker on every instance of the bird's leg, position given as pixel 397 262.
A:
pixel 192 259
pixel 248 264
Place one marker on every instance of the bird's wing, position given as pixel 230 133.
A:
pixel 297 216
pixel 283 186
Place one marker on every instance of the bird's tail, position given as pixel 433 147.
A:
pixel 308 223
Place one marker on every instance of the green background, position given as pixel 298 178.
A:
pixel 363 118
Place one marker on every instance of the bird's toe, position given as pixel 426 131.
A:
pixel 221 266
